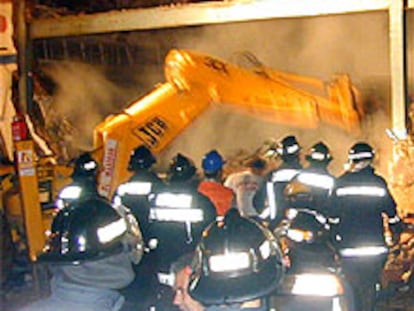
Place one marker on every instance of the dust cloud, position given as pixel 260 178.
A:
pixel 319 47
pixel 85 97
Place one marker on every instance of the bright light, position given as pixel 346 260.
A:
pixel 111 231
pixel 363 251
pixel 298 235
pixel 324 285
pixel 229 262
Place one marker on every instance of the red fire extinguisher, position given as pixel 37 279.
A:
pixel 19 128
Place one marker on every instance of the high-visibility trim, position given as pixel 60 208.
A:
pixel 316 180
pixel 166 278
pixel 394 220
pixel 176 214
pixel 319 156
pixel 135 188
pixel 299 235
pixel 361 190
pixel 173 200
pixel 231 261
pixel 271 198
pixel 328 285
pixel 89 166
pixel 363 251
pixel 284 175
pixel 265 249
pixel 70 192
pixel 361 155
pixel 112 230
pixel 292 149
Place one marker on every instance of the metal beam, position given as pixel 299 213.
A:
pixel 398 68
pixel 196 14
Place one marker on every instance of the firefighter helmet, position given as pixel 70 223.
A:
pixel 361 151
pixel 141 158
pixel 181 168
pixel 237 260
pixel 289 147
pixel 212 162
pixel 319 153
pixel 85 166
pixel 90 229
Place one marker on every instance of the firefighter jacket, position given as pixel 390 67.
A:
pixel 80 188
pixel 177 217
pixel 358 202
pixel 315 185
pixel 135 193
pixel 219 195
pixel 275 184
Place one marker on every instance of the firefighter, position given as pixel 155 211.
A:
pixel 84 181
pixel 90 254
pixel 211 186
pixel 246 185
pixel 144 181
pixel 313 185
pixel 237 264
pixel 360 198
pixel 178 215
pixel 134 194
pixel 276 181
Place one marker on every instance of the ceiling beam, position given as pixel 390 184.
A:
pixel 194 14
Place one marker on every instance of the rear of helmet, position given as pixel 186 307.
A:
pixel 181 169
pixel 237 260
pixel 85 166
pixel 289 148
pixel 89 230
pixel 141 158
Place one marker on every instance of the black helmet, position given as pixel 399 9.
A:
pixel 361 152
pixel 85 166
pixel 141 158
pixel 319 153
pixel 90 229
pixel 289 147
pixel 181 168
pixel 237 260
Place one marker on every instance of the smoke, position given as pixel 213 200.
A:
pixel 320 47
pixel 84 98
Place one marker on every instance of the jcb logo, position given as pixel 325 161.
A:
pixel 152 131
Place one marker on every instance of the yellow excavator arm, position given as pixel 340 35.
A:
pixel 194 82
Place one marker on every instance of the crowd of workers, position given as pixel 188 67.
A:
pixel 183 240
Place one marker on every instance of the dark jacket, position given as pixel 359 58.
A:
pixel 358 201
